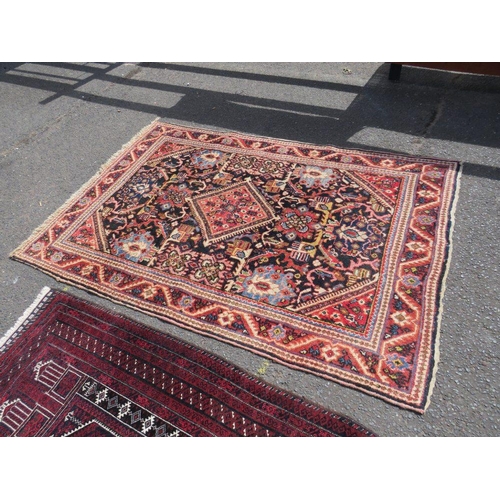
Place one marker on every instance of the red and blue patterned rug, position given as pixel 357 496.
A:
pixel 69 368
pixel 327 260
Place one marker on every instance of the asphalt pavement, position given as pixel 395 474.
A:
pixel 59 122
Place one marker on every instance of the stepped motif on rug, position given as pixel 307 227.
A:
pixel 327 260
pixel 70 368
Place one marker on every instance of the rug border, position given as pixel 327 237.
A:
pixel 244 135
pixel 442 286
pixel 13 332
pixel 202 129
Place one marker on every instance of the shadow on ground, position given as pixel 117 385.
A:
pixel 383 115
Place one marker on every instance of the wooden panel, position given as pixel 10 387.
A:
pixel 483 68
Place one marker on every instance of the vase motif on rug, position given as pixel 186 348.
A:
pixel 327 260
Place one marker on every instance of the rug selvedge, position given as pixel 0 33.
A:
pixel 327 260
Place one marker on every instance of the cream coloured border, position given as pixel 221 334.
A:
pixel 5 338
pixel 447 265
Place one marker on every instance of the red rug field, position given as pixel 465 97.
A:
pixel 69 368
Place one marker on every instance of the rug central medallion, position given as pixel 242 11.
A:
pixel 226 212
pixel 324 259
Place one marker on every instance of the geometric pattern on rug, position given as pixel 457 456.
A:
pixel 327 260
pixel 71 369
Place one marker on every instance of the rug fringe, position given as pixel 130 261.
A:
pixel 43 293
pixel 443 286
pixel 71 200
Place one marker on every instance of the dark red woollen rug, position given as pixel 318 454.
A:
pixel 70 368
pixel 327 260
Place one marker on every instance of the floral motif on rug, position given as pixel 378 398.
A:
pixel 327 260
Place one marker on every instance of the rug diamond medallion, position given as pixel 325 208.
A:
pixel 327 260
pixel 227 212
